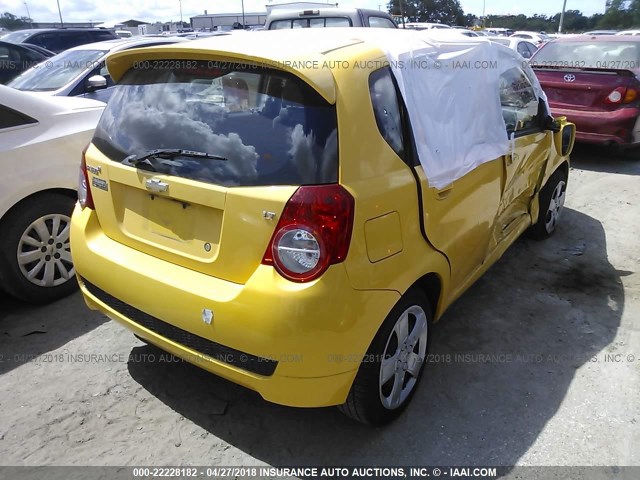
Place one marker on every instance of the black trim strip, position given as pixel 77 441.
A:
pixel 411 155
pixel 222 353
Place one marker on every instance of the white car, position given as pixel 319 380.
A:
pixel 498 32
pixel 629 32
pixel 534 37
pixel 520 45
pixel 41 143
pixel 424 26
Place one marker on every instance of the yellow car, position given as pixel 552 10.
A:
pixel 292 210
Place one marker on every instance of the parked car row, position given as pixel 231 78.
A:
pixel 593 80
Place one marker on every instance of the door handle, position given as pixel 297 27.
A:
pixel 444 193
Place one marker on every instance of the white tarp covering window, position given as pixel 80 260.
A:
pixel 452 92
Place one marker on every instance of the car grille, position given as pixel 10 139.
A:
pixel 231 356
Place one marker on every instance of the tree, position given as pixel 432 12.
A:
pixel 12 22
pixel 471 20
pixel 619 14
pixel 634 11
pixel 537 23
pixel 616 15
pixel 438 11
pixel 574 21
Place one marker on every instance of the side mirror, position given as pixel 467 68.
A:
pixel 565 137
pixel 96 82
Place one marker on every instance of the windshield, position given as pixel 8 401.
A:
pixel 15 37
pixel 616 55
pixel 58 71
pixel 268 126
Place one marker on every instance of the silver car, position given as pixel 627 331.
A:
pixel 81 71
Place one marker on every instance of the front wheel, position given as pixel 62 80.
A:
pixel 551 200
pixel 389 374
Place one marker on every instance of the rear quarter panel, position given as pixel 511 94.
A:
pixel 43 156
pixel 384 189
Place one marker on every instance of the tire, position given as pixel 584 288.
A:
pixel 624 152
pixel 632 154
pixel 35 269
pixel 551 201
pixel 616 150
pixel 379 395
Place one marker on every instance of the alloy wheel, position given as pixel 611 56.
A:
pixel 44 254
pixel 555 206
pixel 403 357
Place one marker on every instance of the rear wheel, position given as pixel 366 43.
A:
pixel 35 256
pixel 390 372
pixel 551 201
pixel 624 152
pixel 632 153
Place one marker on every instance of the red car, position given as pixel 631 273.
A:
pixel 594 81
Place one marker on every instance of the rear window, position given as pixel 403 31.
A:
pixel 60 40
pixel 268 127
pixel 615 55
pixel 100 36
pixel 381 22
pixel 16 37
pixel 317 22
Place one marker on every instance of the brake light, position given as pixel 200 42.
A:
pixel 84 191
pixel 622 95
pixel 616 96
pixel 313 233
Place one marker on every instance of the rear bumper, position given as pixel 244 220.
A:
pixel 295 344
pixel 619 126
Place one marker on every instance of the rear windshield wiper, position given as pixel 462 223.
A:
pixel 143 161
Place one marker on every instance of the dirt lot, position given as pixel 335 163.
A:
pixel 537 364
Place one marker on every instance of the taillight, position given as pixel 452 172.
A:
pixel 314 232
pixel 630 95
pixel 84 191
pixel 621 95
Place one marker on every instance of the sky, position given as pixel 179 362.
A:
pixel 165 10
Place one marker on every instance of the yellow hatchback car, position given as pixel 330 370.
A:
pixel 272 207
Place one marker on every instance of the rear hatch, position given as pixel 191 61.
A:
pixel 197 158
pixel 598 76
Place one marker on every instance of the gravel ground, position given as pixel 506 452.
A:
pixel 537 364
